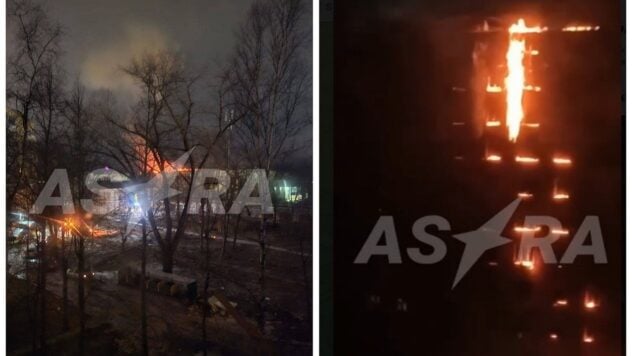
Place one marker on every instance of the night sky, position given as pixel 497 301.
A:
pixel 103 35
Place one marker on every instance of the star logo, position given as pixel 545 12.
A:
pixel 484 238
pixel 156 189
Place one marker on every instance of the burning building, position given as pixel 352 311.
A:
pixel 523 147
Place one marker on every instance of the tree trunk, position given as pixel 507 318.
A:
pixel 304 263
pixel 42 289
pixel 262 266
pixel 31 295
pixel 81 291
pixel 168 253
pixel 64 282
pixel 236 230
pixel 225 228
pixel 207 278
pixel 143 296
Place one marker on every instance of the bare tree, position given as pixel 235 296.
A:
pixel 165 124
pixel 143 289
pixel 269 80
pixel 35 100
pixel 79 248
pixel 34 48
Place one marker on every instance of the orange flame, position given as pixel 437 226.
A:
pixel 493 158
pixel 493 88
pixel 562 161
pixel 559 195
pixel 514 82
pixel 590 302
pixel 581 28
pixel 563 232
pixel 526 229
pixel 524 258
pixel 527 160
pixel 560 303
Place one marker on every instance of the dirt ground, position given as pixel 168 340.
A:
pixel 174 323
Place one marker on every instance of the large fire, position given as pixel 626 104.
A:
pixel 515 80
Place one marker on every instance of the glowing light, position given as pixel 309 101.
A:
pixel 524 259
pixel 514 82
pixel 561 196
pixel 559 232
pixel 560 303
pixel 493 123
pixel 532 125
pixel 580 28
pixel 522 229
pixel 553 336
pixel 562 161
pixel 528 264
pixel 527 160
pixel 525 195
pixel 492 88
pixel 589 302
pixel 587 338
pixel 493 158
pixel 534 52
pixel 521 27
pixel 532 88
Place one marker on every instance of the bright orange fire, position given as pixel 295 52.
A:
pixel 525 195
pixel 589 302
pixel 514 82
pixel 562 232
pixel 493 158
pixel 524 258
pixel 562 161
pixel 493 88
pixel 526 229
pixel 150 159
pixel 559 195
pixel 530 87
pixel 560 303
pixel 527 159
pixel 580 28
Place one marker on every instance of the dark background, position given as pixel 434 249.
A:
pixel 394 65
